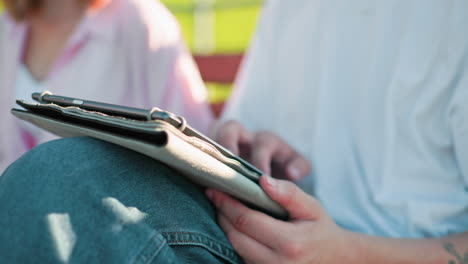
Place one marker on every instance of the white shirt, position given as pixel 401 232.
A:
pixel 375 95
pixel 126 52
pixel 26 84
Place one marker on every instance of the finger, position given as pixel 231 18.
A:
pixel 297 203
pixel 297 167
pixel 248 248
pixel 261 158
pixel 264 147
pixel 289 164
pixel 275 157
pixel 257 225
pixel 280 160
pixel 231 134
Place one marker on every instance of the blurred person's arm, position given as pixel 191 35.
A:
pixel 158 52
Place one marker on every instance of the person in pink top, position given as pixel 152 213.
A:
pixel 127 52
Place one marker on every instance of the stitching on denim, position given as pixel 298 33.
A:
pixel 222 252
pixel 220 249
pixel 155 252
pixel 172 242
pixel 141 255
pixel 193 233
pixel 145 256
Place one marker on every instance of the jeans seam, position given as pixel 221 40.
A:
pixel 146 257
pixel 222 250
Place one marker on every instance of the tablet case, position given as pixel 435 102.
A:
pixel 195 158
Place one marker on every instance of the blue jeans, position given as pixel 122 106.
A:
pixel 87 201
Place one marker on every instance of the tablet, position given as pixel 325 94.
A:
pixel 139 114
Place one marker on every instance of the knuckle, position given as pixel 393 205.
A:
pixel 264 143
pixel 303 163
pixel 228 127
pixel 232 124
pixel 240 222
pixel 228 133
pixel 265 137
pixel 292 250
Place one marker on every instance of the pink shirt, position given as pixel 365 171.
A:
pixel 128 52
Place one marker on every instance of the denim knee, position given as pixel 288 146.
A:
pixel 116 202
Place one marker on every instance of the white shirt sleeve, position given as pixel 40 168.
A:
pixel 166 67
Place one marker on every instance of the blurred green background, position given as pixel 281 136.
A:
pixel 212 27
pixel 223 26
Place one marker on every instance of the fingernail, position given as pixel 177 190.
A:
pixel 294 173
pixel 270 181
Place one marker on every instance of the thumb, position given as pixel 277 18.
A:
pixel 297 203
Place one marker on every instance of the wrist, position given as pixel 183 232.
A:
pixel 369 249
pixel 356 248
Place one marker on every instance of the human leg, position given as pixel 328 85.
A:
pixel 84 200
